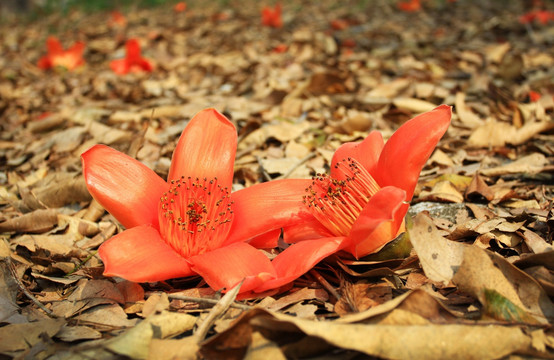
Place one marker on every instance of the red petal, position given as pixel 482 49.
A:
pixel 77 49
pixel 140 254
pixel 379 221
pixel 119 66
pixel 308 229
pixel 44 63
pixel 267 206
pixel 206 148
pixel 132 48
pixel 225 267
pixel 125 187
pixel 365 152
pixel 54 46
pixel 408 149
pixel 299 258
pixel 268 240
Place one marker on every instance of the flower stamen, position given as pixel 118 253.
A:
pixel 195 215
pixel 337 203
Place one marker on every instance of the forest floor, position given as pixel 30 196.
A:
pixel 477 281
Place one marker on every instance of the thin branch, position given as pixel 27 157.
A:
pixel 207 301
pixel 300 162
pixel 27 293
pixel 325 284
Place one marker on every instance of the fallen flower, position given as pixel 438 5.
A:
pixel 69 59
pixel 540 16
pixel 185 226
pixel 361 205
pixel 272 17
pixel 409 6
pixel 133 61
pixel 180 7
pixel 117 19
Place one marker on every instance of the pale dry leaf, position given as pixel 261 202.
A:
pixel 438 256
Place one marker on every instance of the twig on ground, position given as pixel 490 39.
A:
pixel 325 284
pixel 27 293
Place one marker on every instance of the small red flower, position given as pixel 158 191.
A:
pixel 133 61
pixel 69 59
pixel 534 96
pixel 272 17
pixel 540 16
pixel 409 6
pixel 180 7
pixel 117 20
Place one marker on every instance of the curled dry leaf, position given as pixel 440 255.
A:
pixel 37 221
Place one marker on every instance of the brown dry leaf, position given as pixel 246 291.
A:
pixel 78 333
pixel 17 337
pixel 299 296
pixel 37 221
pixel 135 342
pixel 531 164
pixel 442 191
pixel 467 117
pixel 386 341
pixel 482 272
pixel 413 105
pixel 439 257
pixel 496 133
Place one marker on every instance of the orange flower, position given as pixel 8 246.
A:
pixel 272 17
pixel 133 61
pixel 187 225
pixel 117 19
pixel 58 57
pixel 180 7
pixel 359 207
pixel 541 16
pixel 409 6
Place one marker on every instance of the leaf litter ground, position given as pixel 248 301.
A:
pixel 472 277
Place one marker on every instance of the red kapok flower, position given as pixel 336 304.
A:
pixel 133 61
pixel 117 19
pixel 272 17
pixel 57 56
pixel 540 16
pixel 361 205
pixel 180 7
pixel 184 226
pixel 409 6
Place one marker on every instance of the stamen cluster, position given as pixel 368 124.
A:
pixel 195 215
pixel 337 202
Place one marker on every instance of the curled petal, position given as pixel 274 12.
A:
pixel 299 258
pixel 267 240
pixel 365 152
pixel 125 187
pixel 206 148
pixel 267 206
pixel 379 221
pixel 408 149
pixel 140 254
pixel 225 267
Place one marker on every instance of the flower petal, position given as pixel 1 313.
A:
pixel 408 149
pixel 267 240
pixel 206 148
pixel 379 221
pixel 299 258
pixel 53 45
pixel 267 206
pixel 140 254
pixel 308 229
pixel 132 48
pixel 125 187
pixel 365 152
pixel 119 66
pixel 225 267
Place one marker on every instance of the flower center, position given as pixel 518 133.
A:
pixel 195 215
pixel 337 203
